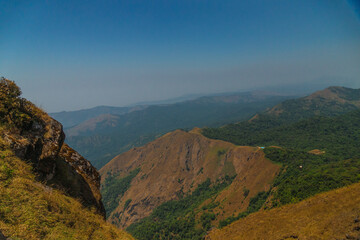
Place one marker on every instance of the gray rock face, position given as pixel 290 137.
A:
pixel 2 237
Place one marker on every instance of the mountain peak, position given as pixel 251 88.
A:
pixel 328 102
pixel 184 160
pixel 337 93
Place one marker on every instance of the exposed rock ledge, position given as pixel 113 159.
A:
pixel 54 162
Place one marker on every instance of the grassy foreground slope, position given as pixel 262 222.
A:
pixel 337 135
pixel 47 190
pixel 31 210
pixel 330 215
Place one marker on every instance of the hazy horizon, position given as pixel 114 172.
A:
pixel 68 55
pixel 287 90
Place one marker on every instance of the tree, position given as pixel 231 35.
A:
pixel 11 105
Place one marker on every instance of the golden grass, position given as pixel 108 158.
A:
pixel 330 215
pixel 31 210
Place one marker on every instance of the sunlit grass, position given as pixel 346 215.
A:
pixel 31 210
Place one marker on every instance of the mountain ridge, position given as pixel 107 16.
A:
pixel 72 118
pixel 329 102
pixel 139 127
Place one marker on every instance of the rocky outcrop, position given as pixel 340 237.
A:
pixel 87 180
pixel 38 139
pixel 40 144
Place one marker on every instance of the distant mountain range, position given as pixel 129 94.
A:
pixel 104 136
pixel 73 118
pixel 285 119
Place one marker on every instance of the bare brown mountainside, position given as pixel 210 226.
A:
pixel 330 215
pixel 179 161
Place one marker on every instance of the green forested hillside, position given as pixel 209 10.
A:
pixel 303 175
pixel 177 219
pixel 338 135
pixel 331 101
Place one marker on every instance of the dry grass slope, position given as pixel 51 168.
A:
pixel 331 215
pixel 180 161
pixel 31 210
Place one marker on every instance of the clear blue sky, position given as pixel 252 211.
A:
pixel 68 55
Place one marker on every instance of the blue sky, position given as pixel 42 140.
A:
pixel 68 55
